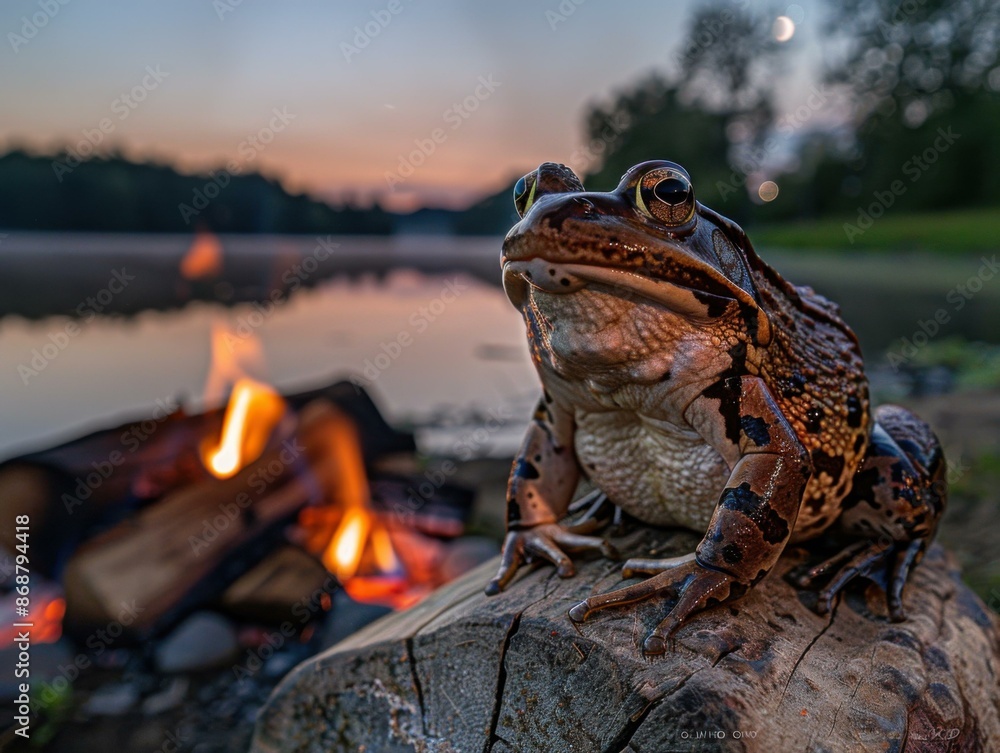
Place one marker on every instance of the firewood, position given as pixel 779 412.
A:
pixel 464 672
pixel 189 546
pixel 272 591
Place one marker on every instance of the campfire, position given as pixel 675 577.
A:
pixel 208 501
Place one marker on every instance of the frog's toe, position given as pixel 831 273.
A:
pixel 620 596
pixel 575 542
pixel 905 562
pixel 817 573
pixel 697 587
pixel 862 561
pixel 707 586
pixel 640 566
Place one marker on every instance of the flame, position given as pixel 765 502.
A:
pixel 254 409
pixel 385 555
pixel 204 258
pixel 361 554
pixel 343 555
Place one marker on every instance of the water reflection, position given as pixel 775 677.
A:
pixel 440 350
pixel 437 351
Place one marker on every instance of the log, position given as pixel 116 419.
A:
pixel 271 592
pixel 464 672
pixel 188 547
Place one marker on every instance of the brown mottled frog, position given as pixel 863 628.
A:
pixel 695 387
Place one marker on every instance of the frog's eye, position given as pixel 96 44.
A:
pixel 524 193
pixel 667 196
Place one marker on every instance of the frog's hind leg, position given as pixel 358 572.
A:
pixel 894 507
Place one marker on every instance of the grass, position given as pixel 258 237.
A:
pixel 973 230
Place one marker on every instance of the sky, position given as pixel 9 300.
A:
pixel 333 97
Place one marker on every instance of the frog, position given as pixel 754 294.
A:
pixel 696 388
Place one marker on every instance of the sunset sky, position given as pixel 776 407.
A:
pixel 226 66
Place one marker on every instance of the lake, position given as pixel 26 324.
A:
pixel 420 320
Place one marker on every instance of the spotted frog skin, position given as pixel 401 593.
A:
pixel 695 387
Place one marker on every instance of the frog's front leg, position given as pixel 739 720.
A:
pixel 754 517
pixel 542 481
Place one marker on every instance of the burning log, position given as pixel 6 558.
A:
pixel 198 538
pixel 173 509
pixel 461 671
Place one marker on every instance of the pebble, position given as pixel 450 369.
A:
pixel 204 640
pixel 113 699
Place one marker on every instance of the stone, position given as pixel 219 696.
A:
pixel 112 700
pixel 170 697
pixel 204 640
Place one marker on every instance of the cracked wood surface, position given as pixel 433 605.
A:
pixel 463 672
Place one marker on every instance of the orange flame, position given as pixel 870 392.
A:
pixel 254 409
pixel 204 258
pixel 385 555
pixel 343 555
pixel 362 556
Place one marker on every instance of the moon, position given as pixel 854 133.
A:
pixel 783 28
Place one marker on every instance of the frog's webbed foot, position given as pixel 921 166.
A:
pixel 596 512
pixel 886 562
pixel 696 586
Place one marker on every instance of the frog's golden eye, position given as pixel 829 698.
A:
pixel 524 193
pixel 667 196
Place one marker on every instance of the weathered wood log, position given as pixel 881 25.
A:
pixel 463 672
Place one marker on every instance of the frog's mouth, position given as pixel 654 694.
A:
pixel 520 276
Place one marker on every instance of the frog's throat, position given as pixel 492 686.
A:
pixel 564 278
